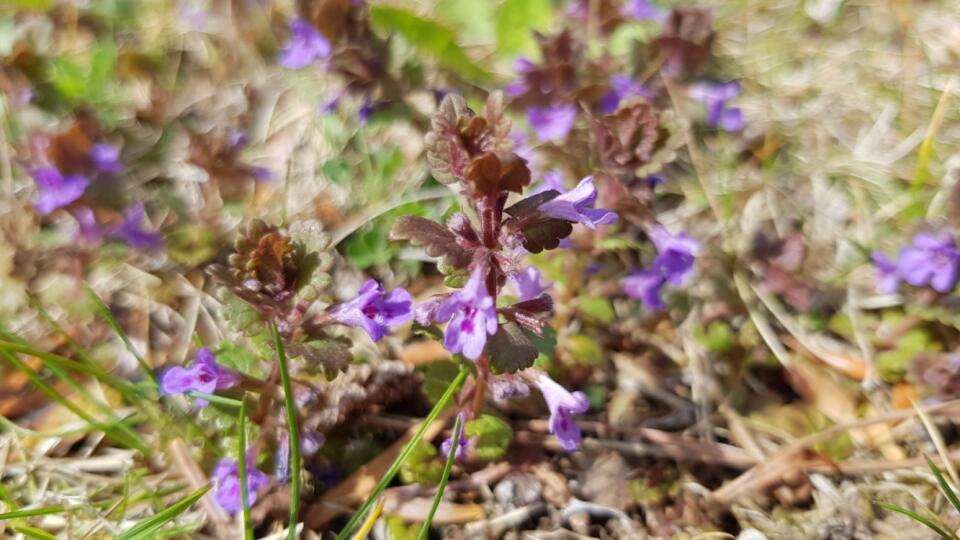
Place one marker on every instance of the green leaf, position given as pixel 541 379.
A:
pixel 892 365
pixel 597 309
pixel 338 171
pixel 146 528
pixel 493 436
pixel 368 247
pixel 718 337
pixel 516 21
pixel 428 37
pixel 473 19
pixel 546 346
pixel 422 466
pixel 511 349
pixel 584 349
pixel 437 378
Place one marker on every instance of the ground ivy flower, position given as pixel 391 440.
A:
pixel 562 404
pixel 575 206
pixel 931 260
pixel 552 123
pixel 374 310
pixel 715 96
pixel 56 190
pixel 106 158
pixel 310 443
pixel 203 375
pixel 226 478
pixel 472 317
pixel 887 273
pixel 305 45
pixel 132 231
pixel 528 283
pixel 521 66
pixel 643 10
pixel 88 231
pixel 675 256
pixel 621 87
pixel 645 285
pixel 461 446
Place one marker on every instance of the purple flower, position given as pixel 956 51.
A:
pixel 552 123
pixel 529 283
pixel 106 158
pixel 521 66
pixel 675 256
pixel 655 180
pixel 472 317
pixel 931 260
pixel 562 404
pixel 203 375
pixel 643 10
pixel 645 286
pixel 306 44
pixel 621 87
pixel 461 446
pixel 133 233
pixel 715 96
pixel 56 190
pixel 374 310
pixel 365 112
pixel 887 273
pixel 226 477
pixel 575 206
pixel 88 231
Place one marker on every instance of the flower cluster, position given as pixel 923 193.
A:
pixel 931 259
pixel 474 152
pixel 68 164
pixel 673 263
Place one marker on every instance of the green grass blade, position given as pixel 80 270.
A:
pixel 107 316
pixel 242 461
pixel 293 431
pixel 405 453
pixel 451 456
pixel 213 398
pixel 944 486
pixel 33 532
pixel 31 512
pixel 919 519
pixel 147 528
pixel 131 441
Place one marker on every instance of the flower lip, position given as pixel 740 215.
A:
pixel 306 45
pixel 55 189
pixel 375 311
pixel 575 206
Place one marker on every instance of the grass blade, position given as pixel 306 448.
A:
pixel 293 432
pixel 451 456
pixel 242 465
pixel 128 438
pixel 919 519
pixel 107 316
pixel 944 486
pixel 31 512
pixel 405 453
pixel 148 527
pixel 33 532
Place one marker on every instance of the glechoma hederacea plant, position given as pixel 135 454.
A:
pixel 482 248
